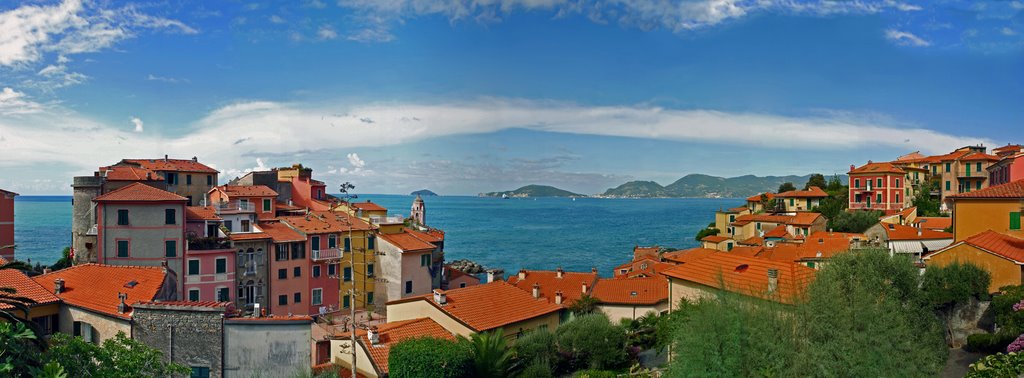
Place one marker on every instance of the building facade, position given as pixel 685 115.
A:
pixel 7 224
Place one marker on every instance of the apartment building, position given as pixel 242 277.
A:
pixel 878 186
pixel 7 224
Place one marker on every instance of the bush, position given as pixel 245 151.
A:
pixel 592 341
pixel 536 370
pixel 1002 306
pixel 983 342
pixel 535 348
pixel 854 221
pixel 707 232
pixel 430 357
pixel 592 373
pixel 997 366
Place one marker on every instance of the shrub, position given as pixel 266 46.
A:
pixel 1002 306
pixel 983 342
pixel 592 341
pixel 535 348
pixel 536 370
pixel 997 365
pixel 592 373
pixel 430 357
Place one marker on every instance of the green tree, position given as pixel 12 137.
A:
pixel 786 187
pixel 926 205
pixel 491 357
pixel 707 232
pixel 119 356
pixel 835 186
pixel 816 179
pixel 583 306
pixel 854 221
pixel 430 357
pixel 945 287
pixel 535 348
pixel 592 341
pixel 832 206
pixel 65 260
pixel 19 351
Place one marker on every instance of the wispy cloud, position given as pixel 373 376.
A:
pixel 171 80
pixel 905 38
pixel 13 102
pixel 138 124
pixel 326 32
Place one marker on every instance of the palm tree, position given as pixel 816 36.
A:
pixel 12 303
pixel 585 305
pixel 491 356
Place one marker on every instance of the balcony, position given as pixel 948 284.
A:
pixel 208 243
pixel 973 175
pixel 387 220
pixel 326 254
pixel 235 207
pixel 875 206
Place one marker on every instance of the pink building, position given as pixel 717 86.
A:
pixel 209 272
pixel 288 263
pixel 878 186
pixel 7 224
pixel 1008 169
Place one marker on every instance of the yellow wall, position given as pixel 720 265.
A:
pixel 362 256
pixel 1004 272
pixel 551 320
pixel 341 355
pixel 972 216
pixel 680 289
pixel 617 312
pixel 106 326
pixel 422 309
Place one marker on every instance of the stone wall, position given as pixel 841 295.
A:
pixel 189 335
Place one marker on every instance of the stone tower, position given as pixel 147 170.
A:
pixel 419 211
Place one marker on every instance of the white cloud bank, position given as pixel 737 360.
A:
pixel 905 38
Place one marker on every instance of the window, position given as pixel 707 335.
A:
pixel 878 183
pixel 792 201
pixel 266 205
pixel 732 218
pixel 222 265
pixel 170 248
pixel 282 300
pixel 193 295
pixel 86 331
pixel 332 241
pixel 810 264
pixel 758 224
pixel 1015 220
pixel 345 303
pixel 298 251
pixel 728 246
pixel 371 242
pixel 172 178
pixel 348 244
pixel 245 225
pixel 425 258
pixel 223 295
pixel 316 271
pixel 897 183
pixel 282 274
pixel 878 198
pixel 897 198
pixel 122 248
pixel 297 271
pixel 461 285
pixel 209 180
pixel 297 298
pixel 188 179
pixel 314 243
pixel 369 298
pixel 332 270
pixel 856 183
pixel 947 167
pixel 122 217
pixel 408 287
pixel 369 270
pixel 947 184
pixel 169 217
pixel 281 252
pixel 978 167
pixel 318 296
pixel 200 372
pixel 977 185
pixel 347 274
pixel 227 225
pixel 193 267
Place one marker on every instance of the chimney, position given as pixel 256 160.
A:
pixel 559 272
pixel 373 335
pixel 58 286
pixel 852 167
pixel 495 275
pixel 122 307
pixel 773 280
pixel 536 290
pixel 593 269
pixel 47 270
pixel 522 274
pixel 558 297
pixel 585 288
pixel 195 159
pixel 165 157
pixel 440 297
pixel 870 162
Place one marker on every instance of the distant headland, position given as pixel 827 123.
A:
pixel 423 193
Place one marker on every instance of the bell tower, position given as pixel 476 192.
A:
pixel 419 211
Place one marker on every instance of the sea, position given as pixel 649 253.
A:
pixel 532 233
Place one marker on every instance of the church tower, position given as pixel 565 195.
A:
pixel 419 211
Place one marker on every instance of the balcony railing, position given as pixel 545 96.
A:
pixel 235 207
pixel 875 206
pixel 326 254
pixel 208 243
pixel 387 220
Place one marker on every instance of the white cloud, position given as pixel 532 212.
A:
pixel 138 124
pixel 275 19
pixel 905 38
pixel 171 80
pixel 355 161
pixel 1008 31
pixel 326 32
pixel 13 102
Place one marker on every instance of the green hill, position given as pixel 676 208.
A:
pixel 640 189
pixel 423 193
pixel 534 191
pixel 700 185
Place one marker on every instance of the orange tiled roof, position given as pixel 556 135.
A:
pixel 407 242
pixel 433 236
pixel 285 206
pixel 488 306
pixel 635 291
pixel 138 192
pixel 777 232
pixel 1013 189
pixel 752 241
pixel 179 165
pixel 688 255
pixel 748 251
pixel 644 267
pixel 934 223
pixel 824 245
pixel 812 192
pixel 570 284
pixel 714 239
pixel 245 236
pixel 978 156
pixel 766 218
pixel 645 252
pixel 198 213
pixel 1007 148
pixel 25 287
pixel 368 206
pixel 784 252
pixel 129 173
pixel 916 155
pixel 804 218
pixel 872 168
pixel 206 304
pixel 453 273
pixel 322 222
pixel 757 197
pixel 82 288
pixel 391 333
pixel 281 233
pixel 901 232
pixel 1000 244
pixel 247 190
pixel 746 275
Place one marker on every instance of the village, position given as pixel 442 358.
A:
pixel 269 274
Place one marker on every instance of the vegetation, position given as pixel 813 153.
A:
pixel 698 185
pixel 863 315
pixel 816 179
pixel 926 205
pixel 583 306
pixel 591 341
pixel 119 356
pixel 430 357
pixel 786 187
pixel 945 287
pixel 706 232
pixel 855 221
pixel 536 191
pixel 998 366
pixel 491 358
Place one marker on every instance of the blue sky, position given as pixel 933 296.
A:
pixel 467 96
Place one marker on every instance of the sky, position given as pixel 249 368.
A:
pixel 468 96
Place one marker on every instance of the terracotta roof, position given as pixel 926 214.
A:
pixel 645 267
pixel 247 190
pixel 747 251
pixel 453 273
pixel 25 287
pixel 764 218
pixel 757 197
pixel 570 284
pixel 645 252
pixel 488 306
pixel 1007 148
pixel 993 242
pixel 916 155
pixel 1013 189
pixel 322 222
pixel 138 192
pixel 407 242
pixel 200 213
pixel 285 206
pixel 753 240
pixel 746 275
pixel 243 236
pixel 688 255
pixel 281 233
pixel 979 156
pixel 934 223
pixel 901 232
pixel 906 213
pixel 389 334
pixel 637 291
pixel 714 239
pixel 129 173
pixel 432 235
pixel 82 288
pixel 784 252
pixel 180 165
pixel 812 192
pixel 188 304
pixel 777 232
pixel 804 218
pixel 271 318
pixel 824 245
pixel 872 168
pixel 368 206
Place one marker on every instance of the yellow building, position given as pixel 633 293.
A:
pixel 801 200
pixel 724 217
pixel 997 208
pixel 1000 254
pixel 46 307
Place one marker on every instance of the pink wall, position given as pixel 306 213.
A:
pixel 290 285
pixel 892 195
pixel 330 286
pixel 6 225
pixel 208 280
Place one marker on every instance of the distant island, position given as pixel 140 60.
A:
pixel 423 193
pixel 706 186
pixel 533 191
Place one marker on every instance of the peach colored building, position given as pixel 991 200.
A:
pixel 7 224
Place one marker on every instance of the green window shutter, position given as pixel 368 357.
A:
pixel 878 198
pixel 344 301
pixel 810 264
pixel 947 184
pixel 348 244
pixel 968 169
pixel 978 167
pixel 728 247
pixel 369 298
pixel 947 167
pixel 170 248
pixel 1015 220
pixel 978 186
pixel 266 204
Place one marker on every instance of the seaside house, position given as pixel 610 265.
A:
pixel 373 345
pixel 724 217
pixel 755 203
pixel 455 278
pixel 558 286
pixel 1000 254
pixel 934 223
pixel 646 252
pixel 252 250
pixel 304 190
pixel 7 224
pixel 902 239
pixel 209 257
pixel 97 300
pixel 480 308
pixel 763 278
pixel 906 216
pixel 185 177
pixel 798 225
pixel 288 270
pixel 878 186
pixel 242 207
pixel 406 265
pixel 687 255
pixel 1009 168
pixel 631 298
pixel 644 267
pixel 143 226
pixel 721 243
pixel 801 200
pixel 996 208
pixel 45 309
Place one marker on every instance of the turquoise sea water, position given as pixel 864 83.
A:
pixel 541 233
